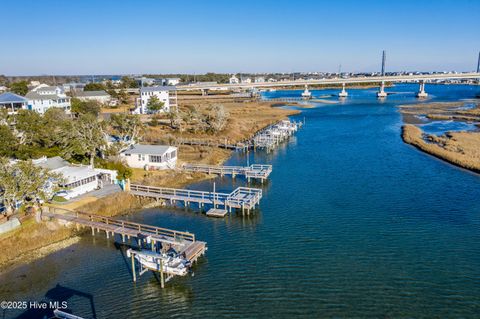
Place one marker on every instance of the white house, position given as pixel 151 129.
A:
pixel 3 88
pixel 150 156
pixel 247 80
pixel 78 179
pixel 233 79
pixel 43 97
pixel 12 102
pixel 259 79
pixel 172 81
pixel 99 96
pixel 165 94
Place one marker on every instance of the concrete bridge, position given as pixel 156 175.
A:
pixel 421 78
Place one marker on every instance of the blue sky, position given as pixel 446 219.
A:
pixel 154 36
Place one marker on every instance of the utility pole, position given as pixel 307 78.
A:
pixel 384 59
pixel 478 63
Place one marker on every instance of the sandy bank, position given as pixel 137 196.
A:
pixel 459 148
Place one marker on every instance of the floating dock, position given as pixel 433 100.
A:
pixel 183 242
pixel 255 171
pixel 215 212
pixel 243 198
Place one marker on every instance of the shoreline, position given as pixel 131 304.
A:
pixel 413 136
pixel 42 252
pixel 459 148
pixel 120 203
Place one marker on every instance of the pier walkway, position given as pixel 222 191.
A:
pixel 257 171
pixel 243 198
pixel 183 242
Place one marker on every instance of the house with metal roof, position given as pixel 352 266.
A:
pixel 12 102
pixel 43 97
pixel 165 94
pixel 150 157
pixel 77 179
pixel 99 96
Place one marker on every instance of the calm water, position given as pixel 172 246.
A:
pixel 354 223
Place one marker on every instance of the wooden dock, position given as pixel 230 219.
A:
pixel 273 135
pixel 157 237
pixel 243 198
pixel 255 171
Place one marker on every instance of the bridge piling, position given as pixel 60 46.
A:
pixel 421 91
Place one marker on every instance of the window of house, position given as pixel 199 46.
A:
pixel 155 158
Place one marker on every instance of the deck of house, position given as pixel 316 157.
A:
pixel 243 198
pixel 257 171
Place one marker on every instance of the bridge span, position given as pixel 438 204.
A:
pixel 354 80
pixel 420 78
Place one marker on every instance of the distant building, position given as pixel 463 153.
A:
pixel 150 156
pixel 12 102
pixel 247 80
pixel 172 81
pixel 43 97
pixel 99 96
pixel 165 94
pixel 3 88
pixel 259 79
pixel 78 179
pixel 68 87
pixel 233 79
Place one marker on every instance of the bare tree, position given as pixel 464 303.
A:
pixel 217 118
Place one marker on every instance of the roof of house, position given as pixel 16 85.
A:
pixel 46 88
pixel 51 162
pixel 35 96
pixel 91 93
pixel 149 149
pixel 9 97
pixel 157 88
pixel 75 173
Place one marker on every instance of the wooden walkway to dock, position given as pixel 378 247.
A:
pixel 257 171
pixel 243 198
pixel 184 242
pixel 226 145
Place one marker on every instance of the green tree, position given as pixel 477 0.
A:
pixel 128 127
pixel 23 181
pixel 124 172
pixel 9 141
pixel 20 88
pixel 94 87
pixel 154 105
pixel 129 83
pixel 84 137
pixel 85 107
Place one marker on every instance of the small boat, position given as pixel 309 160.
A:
pixel 169 263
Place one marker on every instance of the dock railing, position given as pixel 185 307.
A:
pixel 242 197
pixel 78 216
